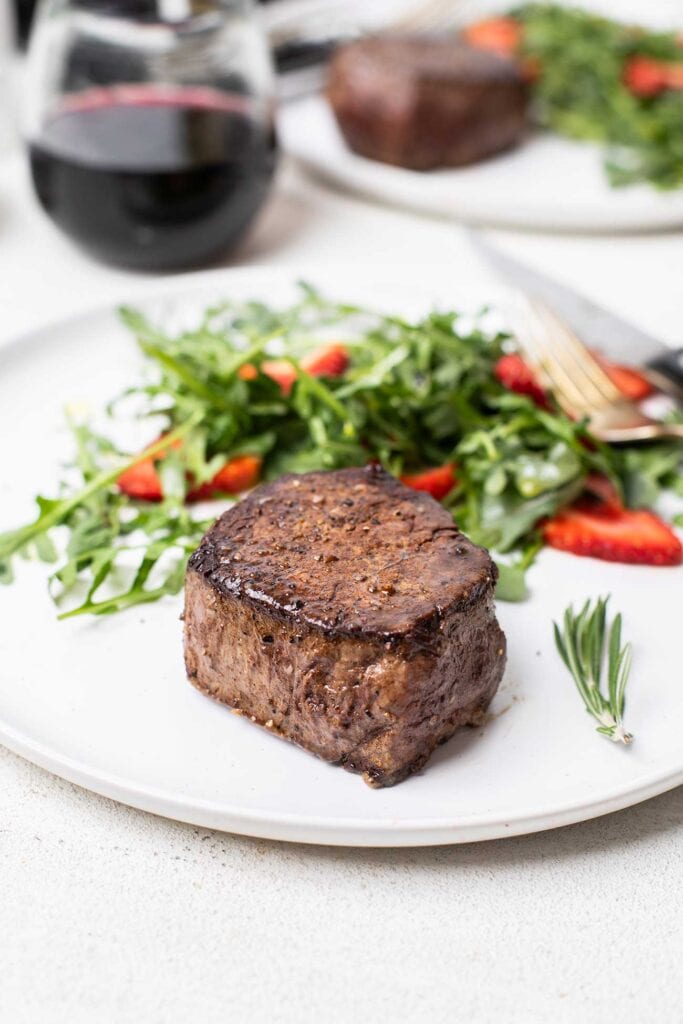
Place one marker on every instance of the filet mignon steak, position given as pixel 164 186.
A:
pixel 424 103
pixel 346 613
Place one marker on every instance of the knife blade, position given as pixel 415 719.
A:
pixel 596 326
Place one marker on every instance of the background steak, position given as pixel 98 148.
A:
pixel 346 613
pixel 426 103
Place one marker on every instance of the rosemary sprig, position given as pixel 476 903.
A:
pixel 585 644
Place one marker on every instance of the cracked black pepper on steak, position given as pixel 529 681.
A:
pixel 347 613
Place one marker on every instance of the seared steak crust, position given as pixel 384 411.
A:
pixel 347 613
pixel 424 103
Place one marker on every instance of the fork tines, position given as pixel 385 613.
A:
pixel 559 357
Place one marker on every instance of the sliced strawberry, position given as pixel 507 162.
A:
pixel 437 482
pixel 279 370
pixel 633 536
pixel 646 77
pixel 247 372
pixel 282 372
pixel 141 481
pixel 238 474
pixel 499 35
pixel 514 374
pixel 632 384
pixel 600 495
pixel 675 76
pixel 327 361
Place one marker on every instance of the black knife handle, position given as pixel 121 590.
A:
pixel 669 365
pixel 297 54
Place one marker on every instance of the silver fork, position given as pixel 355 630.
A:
pixel 582 388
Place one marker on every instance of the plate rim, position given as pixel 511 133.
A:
pixel 586 221
pixel 301 828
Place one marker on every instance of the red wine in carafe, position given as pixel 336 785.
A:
pixel 153 179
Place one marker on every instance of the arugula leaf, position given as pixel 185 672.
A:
pixel 580 91
pixel 648 470
pixel 506 519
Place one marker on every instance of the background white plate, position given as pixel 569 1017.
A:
pixel 547 183
pixel 105 702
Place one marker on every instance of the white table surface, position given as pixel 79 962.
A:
pixel 111 915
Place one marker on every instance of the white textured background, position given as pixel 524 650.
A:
pixel 128 917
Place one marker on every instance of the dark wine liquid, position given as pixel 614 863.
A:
pixel 153 180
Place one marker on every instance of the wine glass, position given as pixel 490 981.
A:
pixel 150 126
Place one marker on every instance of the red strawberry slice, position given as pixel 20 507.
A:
pixel 282 372
pixel 633 536
pixel 644 76
pixel 632 384
pixel 437 482
pixel 247 372
pixel 647 77
pixel 499 35
pixel 502 36
pixel 514 374
pixel 237 475
pixel 327 361
pixel 141 482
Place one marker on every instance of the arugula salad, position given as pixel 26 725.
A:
pixel 253 392
pixel 597 79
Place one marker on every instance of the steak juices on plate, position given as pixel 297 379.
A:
pixel 346 613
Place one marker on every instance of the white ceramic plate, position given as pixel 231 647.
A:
pixel 105 704
pixel 548 183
